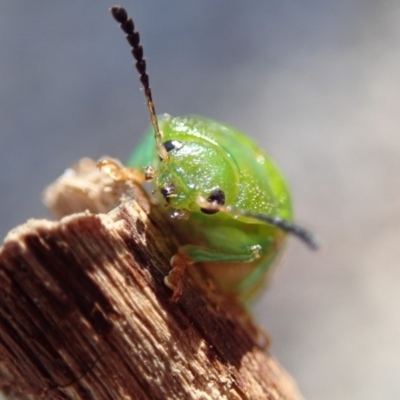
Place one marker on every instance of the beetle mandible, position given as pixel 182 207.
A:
pixel 229 200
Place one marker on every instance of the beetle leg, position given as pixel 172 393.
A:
pixel 173 280
pixel 120 173
pixel 285 225
pixel 188 255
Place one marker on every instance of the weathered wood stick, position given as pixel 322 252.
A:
pixel 84 312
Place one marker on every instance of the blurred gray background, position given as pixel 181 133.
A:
pixel 316 82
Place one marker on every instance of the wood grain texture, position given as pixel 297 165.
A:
pixel 85 313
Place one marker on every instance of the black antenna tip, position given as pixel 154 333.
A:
pixel 309 239
pixel 119 13
pixel 303 234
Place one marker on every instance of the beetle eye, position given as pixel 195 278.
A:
pixel 172 144
pixel 217 197
pixel 168 190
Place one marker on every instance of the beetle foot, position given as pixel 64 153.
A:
pixel 118 172
pixel 174 279
pixel 176 288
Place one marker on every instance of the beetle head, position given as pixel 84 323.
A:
pixel 195 168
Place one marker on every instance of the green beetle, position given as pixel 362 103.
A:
pixel 231 203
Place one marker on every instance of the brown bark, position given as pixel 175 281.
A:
pixel 85 313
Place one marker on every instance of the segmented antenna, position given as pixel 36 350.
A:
pixel 132 36
pixel 305 236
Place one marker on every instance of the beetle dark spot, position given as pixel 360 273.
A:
pixel 172 144
pixel 167 190
pixel 217 197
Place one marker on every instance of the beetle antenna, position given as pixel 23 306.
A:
pixel 133 37
pixel 304 235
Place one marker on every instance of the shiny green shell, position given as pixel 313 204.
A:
pixel 206 155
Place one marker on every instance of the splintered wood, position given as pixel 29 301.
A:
pixel 84 312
